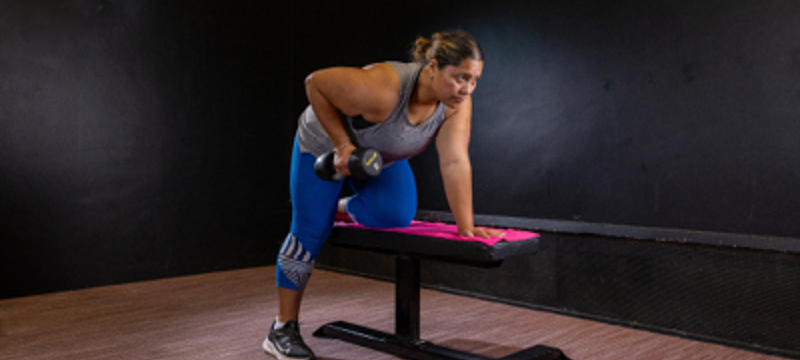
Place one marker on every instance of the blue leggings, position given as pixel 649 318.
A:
pixel 388 200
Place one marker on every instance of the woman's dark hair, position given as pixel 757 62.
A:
pixel 449 47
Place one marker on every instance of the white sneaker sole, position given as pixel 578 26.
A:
pixel 270 349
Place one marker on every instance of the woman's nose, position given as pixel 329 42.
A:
pixel 468 88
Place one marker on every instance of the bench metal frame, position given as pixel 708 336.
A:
pixel 408 251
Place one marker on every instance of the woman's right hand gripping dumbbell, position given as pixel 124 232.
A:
pixel 341 159
pixel 361 163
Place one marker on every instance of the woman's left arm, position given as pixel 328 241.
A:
pixel 452 144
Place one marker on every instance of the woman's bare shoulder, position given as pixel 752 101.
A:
pixel 371 91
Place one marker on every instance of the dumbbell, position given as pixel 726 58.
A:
pixel 364 163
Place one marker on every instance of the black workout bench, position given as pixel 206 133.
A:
pixel 408 250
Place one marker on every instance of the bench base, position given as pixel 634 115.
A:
pixel 419 349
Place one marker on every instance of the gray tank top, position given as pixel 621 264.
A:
pixel 396 138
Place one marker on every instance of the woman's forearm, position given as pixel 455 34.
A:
pixel 457 179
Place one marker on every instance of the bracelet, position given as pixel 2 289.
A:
pixel 336 150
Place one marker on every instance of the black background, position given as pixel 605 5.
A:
pixel 144 139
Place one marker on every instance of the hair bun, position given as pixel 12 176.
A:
pixel 447 47
pixel 421 49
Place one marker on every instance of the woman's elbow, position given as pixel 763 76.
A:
pixel 309 82
pixel 456 163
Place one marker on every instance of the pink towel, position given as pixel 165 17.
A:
pixel 447 231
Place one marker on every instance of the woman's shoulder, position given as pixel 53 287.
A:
pixel 397 68
pixel 385 79
pixel 384 72
pixel 380 92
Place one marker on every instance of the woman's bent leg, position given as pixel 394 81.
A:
pixel 386 201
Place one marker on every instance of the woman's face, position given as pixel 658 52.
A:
pixel 454 83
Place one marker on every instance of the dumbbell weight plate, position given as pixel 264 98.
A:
pixel 365 163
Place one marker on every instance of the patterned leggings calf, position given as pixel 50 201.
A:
pixel 386 201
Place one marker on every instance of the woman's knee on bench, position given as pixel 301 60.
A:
pixel 386 201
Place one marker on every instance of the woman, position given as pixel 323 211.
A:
pixel 396 109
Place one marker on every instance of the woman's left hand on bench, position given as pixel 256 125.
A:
pixel 481 232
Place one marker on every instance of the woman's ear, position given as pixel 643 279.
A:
pixel 433 66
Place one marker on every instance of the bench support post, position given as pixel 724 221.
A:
pixel 407 302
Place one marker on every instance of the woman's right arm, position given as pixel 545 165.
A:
pixel 371 92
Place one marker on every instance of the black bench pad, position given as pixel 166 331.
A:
pixel 473 253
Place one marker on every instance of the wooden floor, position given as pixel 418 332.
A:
pixel 225 316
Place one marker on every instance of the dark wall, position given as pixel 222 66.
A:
pixel 140 139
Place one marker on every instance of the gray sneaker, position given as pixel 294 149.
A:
pixel 286 343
